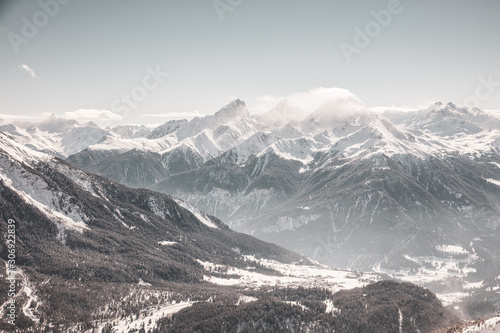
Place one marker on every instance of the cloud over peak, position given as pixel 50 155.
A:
pixel 307 101
pixel 82 115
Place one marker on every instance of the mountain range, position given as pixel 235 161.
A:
pixel 412 194
pixel 92 255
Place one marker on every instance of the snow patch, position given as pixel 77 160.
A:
pixel 166 243
pixel 142 283
pixel 330 307
pixel 452 249
pixel 493 181
pixel 148 320
pixel 202 217
pixel 246 299
pixel 292 276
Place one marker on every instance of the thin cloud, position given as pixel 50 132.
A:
pixel 308 101
pixel 175 115
pixel 495 113
pixel 82 115
pixel 10 118
pixel 25 68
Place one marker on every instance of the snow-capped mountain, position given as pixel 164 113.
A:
pixel 341 184
pixel 340 116
pixel 57 136
pixel 445 120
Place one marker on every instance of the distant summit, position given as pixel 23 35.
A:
pixel 233 109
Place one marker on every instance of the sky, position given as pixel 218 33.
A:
pixel 150 61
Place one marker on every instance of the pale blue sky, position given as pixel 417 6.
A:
pixel 93 51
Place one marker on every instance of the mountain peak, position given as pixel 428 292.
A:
pixel 234 108
pixel 91 124
pixel 237 102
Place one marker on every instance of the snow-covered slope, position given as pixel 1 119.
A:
pixel 167 128
pixel 253 145
pixel 34 189
pixel 115 143
pixel 301 149
pixel 488 325
pixel 22 171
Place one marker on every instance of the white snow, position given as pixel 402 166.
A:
pixel 246 299
pixel 77 176
pixel 142 283
pixel 493 181
pixel 301 149
pixel 167 243
pixel 35 191
pixel 436 269
pixel 253 145
pixel 202 217
pixel 293 276
pixel 330 307
pixel 124 224
pixel 473 285
pixel 495 164
pixel 489 325
pixel 400 321
pixel 452 249
pixel 295 303
pixel 20 153
pixel 148 318
pixel 451 297
pixel 203 145
pixel 114 142
pixel 57 136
